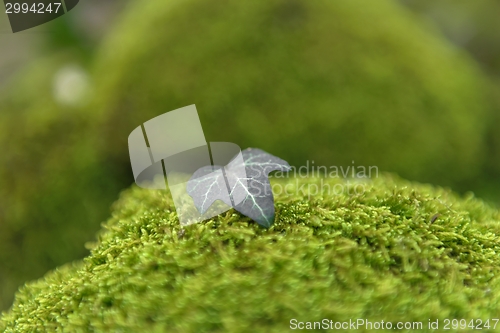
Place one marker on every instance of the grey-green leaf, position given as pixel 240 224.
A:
pixel 248 187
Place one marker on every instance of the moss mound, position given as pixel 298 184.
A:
pixel 54 192
pixel 395 251
pixel 466 17
pixel 303 79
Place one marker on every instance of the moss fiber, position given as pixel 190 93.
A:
pixel 382 254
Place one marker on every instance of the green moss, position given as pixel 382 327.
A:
pixel 329 81
pixel 54 192
pixel 472 25
pixel 380 254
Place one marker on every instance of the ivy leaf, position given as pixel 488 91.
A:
pixel 243 184
pixel 206 186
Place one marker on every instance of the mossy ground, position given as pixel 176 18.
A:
pixel 398 251
pixel 305 80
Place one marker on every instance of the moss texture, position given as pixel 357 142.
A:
pixel 303 79
pixel 381 254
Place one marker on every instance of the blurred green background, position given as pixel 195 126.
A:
pixel 408 86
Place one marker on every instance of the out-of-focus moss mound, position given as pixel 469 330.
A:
pixel 329 81
pixel 397 251
pixel 472 25
pixel 54 192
